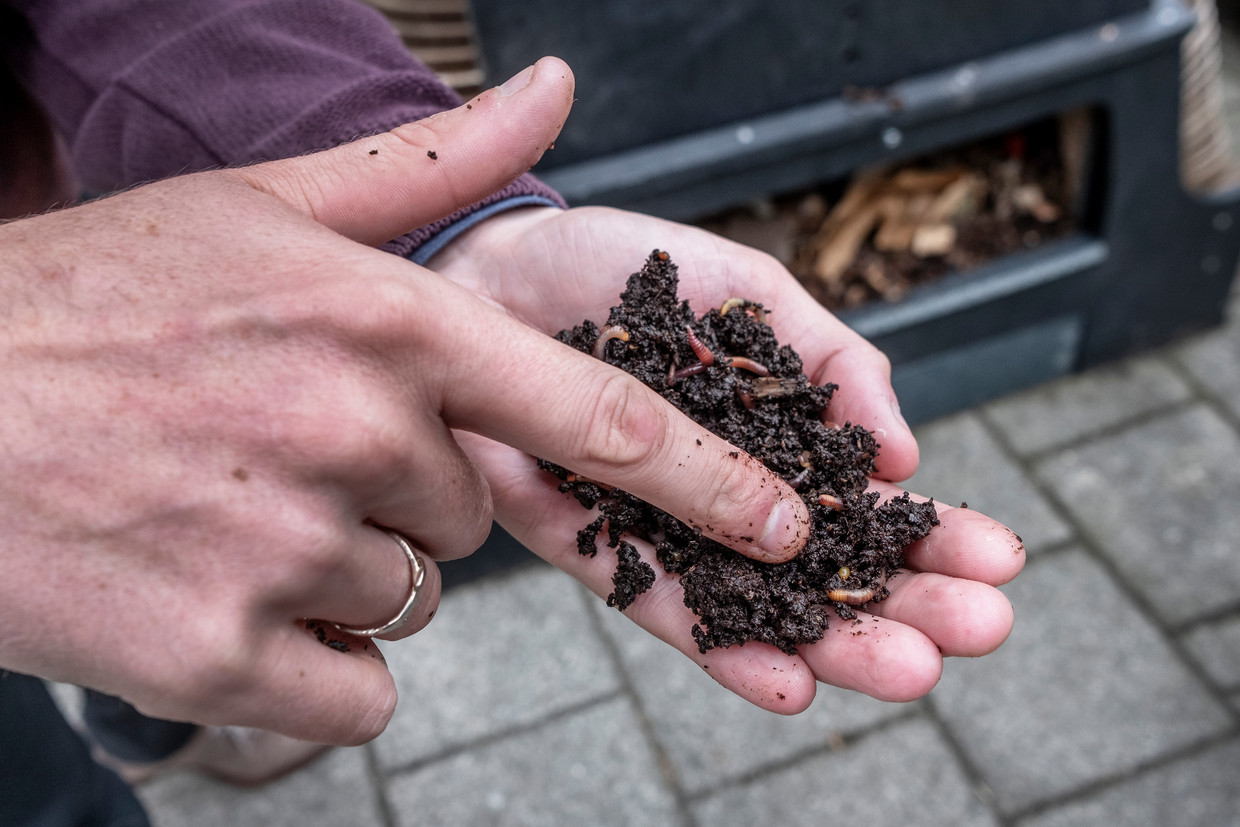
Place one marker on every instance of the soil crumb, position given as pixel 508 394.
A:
pixel 727 372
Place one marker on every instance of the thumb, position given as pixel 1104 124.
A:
pixel 381 187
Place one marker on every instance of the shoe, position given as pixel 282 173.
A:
pixel 240 756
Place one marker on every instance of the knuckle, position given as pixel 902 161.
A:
pixel 625 426
pixel 298 185
pixel 729 492
pixel 418 135
pixel 476 531
pixel 353 428
pixel 369 445
pixel 349 316
pixel 880 362
pixel 391 306
pixel 665 598
pixel 219 666
pixel 469 491
pixel 869 358
pixel 310 549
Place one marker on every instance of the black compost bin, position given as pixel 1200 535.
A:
pixel 649 70
pixel 688 108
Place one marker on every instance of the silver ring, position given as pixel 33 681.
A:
pixel 417 573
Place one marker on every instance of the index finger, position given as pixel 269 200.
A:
pixel 545 398
pixel 835 353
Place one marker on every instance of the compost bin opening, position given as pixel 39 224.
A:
pixel 888 228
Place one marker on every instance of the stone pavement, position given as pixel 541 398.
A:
pixel 1115 701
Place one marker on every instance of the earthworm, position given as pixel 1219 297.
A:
pixel 700 350
pixel 745 363
pixel 858 597
pixel 707 358
pixel 685 373
pixel 606 335
pixel 799 480
pixel 731 304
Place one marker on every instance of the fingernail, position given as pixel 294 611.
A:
pixel 783 530
pixel 516 83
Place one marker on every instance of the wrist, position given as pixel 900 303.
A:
pixel 489 236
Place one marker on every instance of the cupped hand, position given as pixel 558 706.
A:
pixel 216 390
pixel 945 604
pixel 552 268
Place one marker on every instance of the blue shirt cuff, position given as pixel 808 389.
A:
pixel 436 243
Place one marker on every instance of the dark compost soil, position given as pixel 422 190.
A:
pixel 727 372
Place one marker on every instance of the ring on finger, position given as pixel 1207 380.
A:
pixel 417 573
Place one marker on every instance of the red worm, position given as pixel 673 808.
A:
pixel 700 350
pixel 685 373
pixel 745 363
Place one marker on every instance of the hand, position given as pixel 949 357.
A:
pixel 214 388
pixel 552 268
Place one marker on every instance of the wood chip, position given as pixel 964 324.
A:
pixel 1030 198
pixel 917 179
pixel 934 240
pixel 959 200
pixel 841 247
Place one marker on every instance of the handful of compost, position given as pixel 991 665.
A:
pixel 727 372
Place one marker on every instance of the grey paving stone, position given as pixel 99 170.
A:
pixel 1084 689
pixel 592 767
pixel 1159 499
pixel 1216 646
pixel 500 653
pixel 1200 791
pixel 899 776
pixel 710 735
pixel 961 462
pixel 1074 407
pixel 1214 359
pixel 334 790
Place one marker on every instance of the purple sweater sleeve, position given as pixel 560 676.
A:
pixel 145 89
